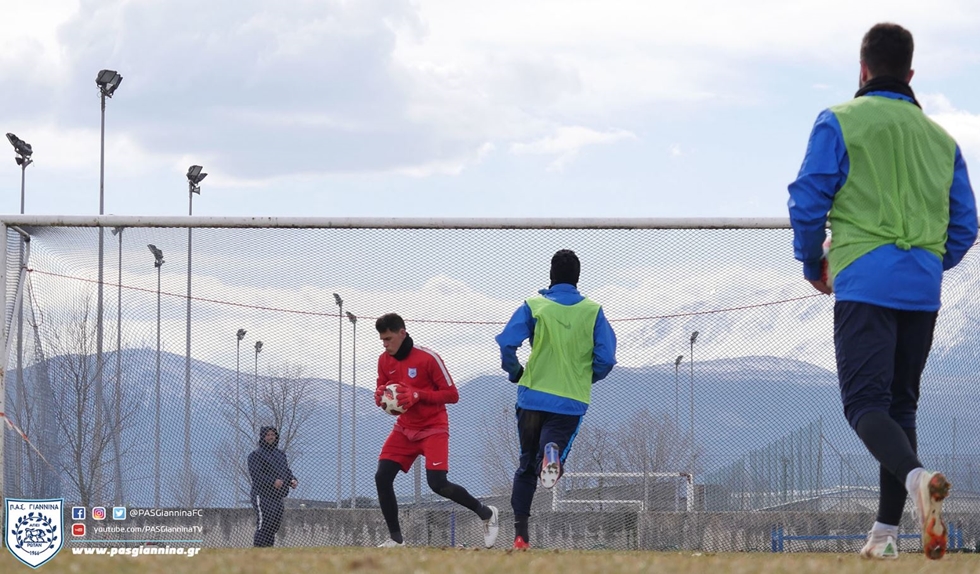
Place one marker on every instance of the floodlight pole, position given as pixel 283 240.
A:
pixel 255 388
pixel 694 337
pixel 353 415
pixel 99 304
pixel 677 399
pixel 107 81
pixel 23 178
pixel 238 410
pixel 117 400
pixel 156 415
pixel 21 386
pixel 340 389
pixel 192 189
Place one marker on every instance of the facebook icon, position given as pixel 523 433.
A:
pixel 78 513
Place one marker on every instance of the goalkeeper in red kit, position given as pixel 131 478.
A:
pixel 424 390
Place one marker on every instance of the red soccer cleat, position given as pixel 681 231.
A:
pixel 520 544
pixel 929 491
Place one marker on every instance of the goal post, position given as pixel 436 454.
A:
pixel 686 479
pixel 270 321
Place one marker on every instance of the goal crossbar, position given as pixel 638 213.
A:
pixel 394 222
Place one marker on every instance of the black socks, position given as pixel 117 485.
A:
pixel 520 527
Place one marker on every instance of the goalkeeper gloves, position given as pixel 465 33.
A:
pixel 406 397
pixel 516 378
pixel 378 393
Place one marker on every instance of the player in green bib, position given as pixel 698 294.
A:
pixel 572 347
pixel 894 187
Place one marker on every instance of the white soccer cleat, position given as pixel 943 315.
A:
pixel 929 489
pixel 880 546
pixel 391 544
pixel 491 527
pixel 550 466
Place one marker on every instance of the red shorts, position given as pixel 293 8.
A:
pixel 405 445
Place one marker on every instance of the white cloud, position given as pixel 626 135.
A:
pixel 964 126
pixel 265 95
pixel 77 149
pixel 675 151
pixel 627 53
pixel 567 142
pixel 28 40
pixel 448 167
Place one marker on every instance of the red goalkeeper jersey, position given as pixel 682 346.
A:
pixel 424 372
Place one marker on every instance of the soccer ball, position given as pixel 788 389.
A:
pixel 389 402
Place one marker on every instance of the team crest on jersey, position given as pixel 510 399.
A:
pixel 33 529
pixel 412 372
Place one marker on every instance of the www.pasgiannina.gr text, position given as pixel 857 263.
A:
pixel 138 551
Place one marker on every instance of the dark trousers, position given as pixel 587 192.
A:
pixel 268 517
pixel 535 429
pixel 881 353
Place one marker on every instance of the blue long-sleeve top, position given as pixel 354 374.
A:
pixel 520 328
pixel 887 276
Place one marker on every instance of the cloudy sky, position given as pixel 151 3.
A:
pixel 449 107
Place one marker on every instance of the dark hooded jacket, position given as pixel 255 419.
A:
pixel 266 464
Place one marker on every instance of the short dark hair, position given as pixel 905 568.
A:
pixel 887 50
pixel 565 267
pixel 389 322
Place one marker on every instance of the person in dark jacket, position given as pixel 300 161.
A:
pixel 271 481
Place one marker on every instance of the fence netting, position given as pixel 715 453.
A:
pixel 724 401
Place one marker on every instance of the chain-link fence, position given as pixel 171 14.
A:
pixel 724 399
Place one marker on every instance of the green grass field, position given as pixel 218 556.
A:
pixel 447 561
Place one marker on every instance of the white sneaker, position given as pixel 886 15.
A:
pixel 491 527
pixel 550 466
pixel 390 544
pixel 880 546
pixel 929 489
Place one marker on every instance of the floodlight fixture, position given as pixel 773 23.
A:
pixel 194 178
pixel 22 149
pixel 108 81
pixel 158 254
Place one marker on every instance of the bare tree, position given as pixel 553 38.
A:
pixel 87 453
pixel 645 442
pixel 34 409
pixel 648 443
pixel 500 448
pixel 191 490
pixel 283 399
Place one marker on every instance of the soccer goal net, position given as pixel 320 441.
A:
pixel 142 355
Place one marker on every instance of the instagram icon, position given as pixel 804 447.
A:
pixel 98 513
